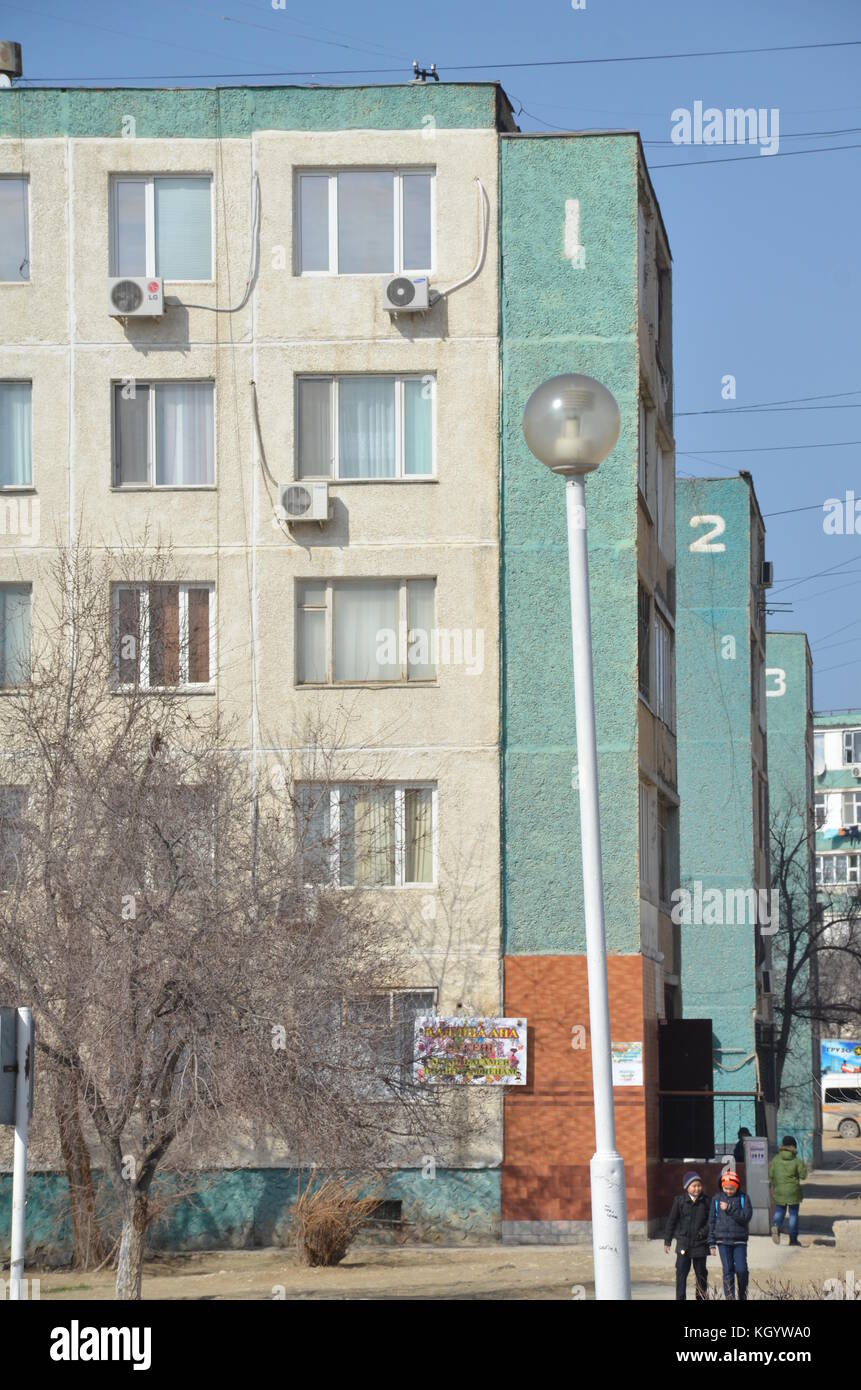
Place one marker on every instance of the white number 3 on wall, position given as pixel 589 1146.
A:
pixel 779 680
pixel 705 545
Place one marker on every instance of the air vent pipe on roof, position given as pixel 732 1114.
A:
pixel 10 62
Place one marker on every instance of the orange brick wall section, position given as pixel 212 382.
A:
pixel 549 1123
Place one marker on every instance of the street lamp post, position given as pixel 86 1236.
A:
pixel 571 423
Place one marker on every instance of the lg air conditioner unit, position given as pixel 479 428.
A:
pixel 306 501
pixel 856 770
pixel 766 577
pixel 406 294
pixel 135 297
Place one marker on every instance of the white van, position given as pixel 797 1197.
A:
pixel 841 1103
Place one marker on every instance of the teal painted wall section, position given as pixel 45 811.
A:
pixel 556 318
pixel 789 725
pixel 203 113
pixel 714 769
pixel 244 1208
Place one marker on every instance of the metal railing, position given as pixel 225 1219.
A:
pixel 691 1124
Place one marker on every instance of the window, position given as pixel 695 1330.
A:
pixel 851 746
pixel 376 630
pixel 838 868
pixel 818 754
pixel 356 836
pixel 647 856
pixel 164 434
pixel 644 627
pixel 13 803
pixel 851 808
pixel 164 634
pixel 16 443
pixel 761 793
pixel 365 222
pixel 381 1037
pixel 14 635
pixel 642 452
pixel 820 809
pixel 668 845
pixel 162 226
pixel 365 427
pixel 14 230
pixel 664 671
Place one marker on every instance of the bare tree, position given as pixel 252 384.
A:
pixel 194 985
pixel 817 947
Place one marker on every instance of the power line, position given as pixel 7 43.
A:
pixel 738 158
pixel 790 511
pixel 469 67
pixel 775 448
pixel 758 405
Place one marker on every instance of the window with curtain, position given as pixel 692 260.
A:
pixel 379 1031
pixel 364 221
pixel 665 704
pixel 14 229
pixel 367 836
pixel 374 630
pixel 162 225
pixel 164 434
pixel 16 442
pixel 162 635
pixel 365 427
pixel 15 602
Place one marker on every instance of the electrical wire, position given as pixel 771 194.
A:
pixel 741 158
pixel 776 448
pixel 254 261
pixel 760 405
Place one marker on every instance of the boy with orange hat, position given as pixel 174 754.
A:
pixel 729 1217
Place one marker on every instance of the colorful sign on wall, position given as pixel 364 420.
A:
pixel 470 1051
pixel 627 1063
pixel 840 1054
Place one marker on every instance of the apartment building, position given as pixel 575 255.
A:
pixel 723 784
pixel 586 286
pixel 271 221
pixel 837 799
pixel 789 692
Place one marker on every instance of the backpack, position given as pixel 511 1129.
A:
pixel 740 1202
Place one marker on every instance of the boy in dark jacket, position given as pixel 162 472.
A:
pixel 729 1217
pixel 688 1221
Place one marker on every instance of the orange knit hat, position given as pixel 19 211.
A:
pixel 730 1177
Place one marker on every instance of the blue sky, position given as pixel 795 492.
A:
pixel 766 259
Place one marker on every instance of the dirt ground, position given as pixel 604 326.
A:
pixel 491 1272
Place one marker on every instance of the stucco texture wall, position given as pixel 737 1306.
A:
pixel 713 682
pixel 789 728
pixel 558 318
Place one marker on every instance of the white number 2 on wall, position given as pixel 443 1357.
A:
pixel 705 545
pixel 779 680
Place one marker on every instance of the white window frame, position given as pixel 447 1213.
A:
pixel 151 485
pixel 849 737
pixel 820 809
pixel 399 789
pixel 855 797
pixel 143 589
pixel 149 214
pixel 647 815
pixel 853 871
pixel 402 636
pixel 25 179
pixel 399 172
pixel 400 378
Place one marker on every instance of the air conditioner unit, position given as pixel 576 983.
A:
pixel 135 297
pixel 307 501
pixel 766 574
pixel 406 294
pixel 856 769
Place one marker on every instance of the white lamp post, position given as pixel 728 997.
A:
pixel 571 423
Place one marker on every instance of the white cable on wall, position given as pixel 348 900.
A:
pixel 484 215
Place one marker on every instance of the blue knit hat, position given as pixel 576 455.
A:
pixel 689 1178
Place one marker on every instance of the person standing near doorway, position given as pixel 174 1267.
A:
pixel 786 1173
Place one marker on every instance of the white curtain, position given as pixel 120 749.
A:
pixel 420 637
pixel 366 222
pixel 367 833
pixel 418 814
pixel 184 435
pixel 14 634
pixel 366 427
pixel 16 448
pixel 366 631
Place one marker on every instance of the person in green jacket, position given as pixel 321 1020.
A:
pixel 786 1173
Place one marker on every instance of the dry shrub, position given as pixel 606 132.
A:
pixel 328 1218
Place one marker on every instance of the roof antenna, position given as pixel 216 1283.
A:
pixel 422 74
